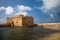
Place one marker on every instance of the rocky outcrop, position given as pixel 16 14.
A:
pixel 50 25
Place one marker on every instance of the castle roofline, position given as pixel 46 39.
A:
pixel 18 15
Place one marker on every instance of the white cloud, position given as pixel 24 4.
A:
pixel 23 13
pixel 49 7
pixel 50 3
pixel 23 8
pixel 19 9
pixel 9 10
pixel 2 8
pixel 51 15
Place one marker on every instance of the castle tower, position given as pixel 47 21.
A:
pixel 9 22
pixel 18 19
pixel 28 21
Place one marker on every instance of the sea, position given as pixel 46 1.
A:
pixel 28 33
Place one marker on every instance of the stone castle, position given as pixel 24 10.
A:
pixel 20 20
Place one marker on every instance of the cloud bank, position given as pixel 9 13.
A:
pixel 8 10
pixel 51 7
pixel 19 9
pixel 23 13
pixel 23 8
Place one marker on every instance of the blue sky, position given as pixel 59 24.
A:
pixel 42 10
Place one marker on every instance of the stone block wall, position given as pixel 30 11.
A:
pixel 29 21
pixel 20 20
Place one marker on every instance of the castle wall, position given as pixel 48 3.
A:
pixel 18 20
pixel 29 21
pixel 9 20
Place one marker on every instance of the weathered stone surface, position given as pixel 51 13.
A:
pixel 50 25
pixel 20 20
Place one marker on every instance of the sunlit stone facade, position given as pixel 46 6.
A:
pixel 20 20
